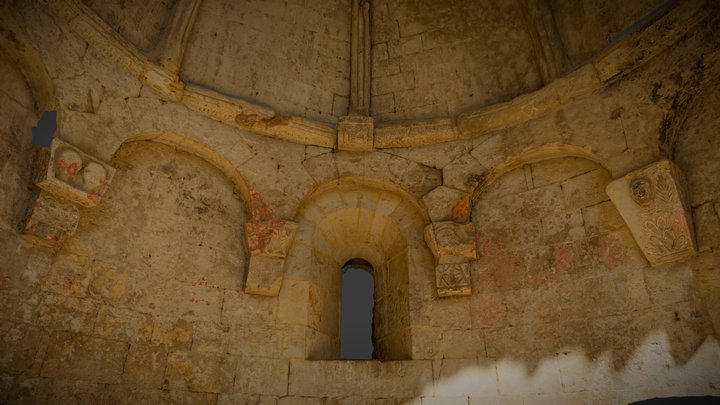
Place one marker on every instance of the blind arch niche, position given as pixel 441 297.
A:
pixel 356 220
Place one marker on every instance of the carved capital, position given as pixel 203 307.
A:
pixel 75 176
pixel 270 238
pixel 355 133
pixel 451 242
pixel 51 220
pixel 654 204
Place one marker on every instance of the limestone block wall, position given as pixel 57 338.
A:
pixel 145 302
pixel 141 22
pixel 587 26
pixel 436 59
pixel 292 56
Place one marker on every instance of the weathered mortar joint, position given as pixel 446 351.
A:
pixel 453 246
pixel 69 178
pixel 355 133
pixel 268 243
pixel 654 204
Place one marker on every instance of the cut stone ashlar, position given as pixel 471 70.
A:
pixel 265 275
pixel 75 176
pixel 654 204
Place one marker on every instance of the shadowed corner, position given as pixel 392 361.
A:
pixel 44 131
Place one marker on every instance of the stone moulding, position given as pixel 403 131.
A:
pixel 623 57
pixel 68 178
pixel 268 243
pixel 654 204
pixel 453 246
pixel 222 108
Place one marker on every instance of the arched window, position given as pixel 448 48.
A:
pixel 338 226
pixel 356 310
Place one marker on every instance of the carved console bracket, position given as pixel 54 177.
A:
pixel 454 247
pixel 654 204
pixel 268 243
pixel 68 178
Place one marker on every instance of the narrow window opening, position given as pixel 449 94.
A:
pixel 356 310
pixel 44 131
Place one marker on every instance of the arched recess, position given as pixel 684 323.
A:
pixel 557 258
pixel 534 155
pixel 206 153
pixel 354 218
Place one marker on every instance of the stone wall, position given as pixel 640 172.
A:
pixel 147 302
pixel 432 60
pixel 292 56
pixel 140 22
pixel 587 26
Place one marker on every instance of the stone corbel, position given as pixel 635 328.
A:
pixel 654 204
pixel 268 243
pixel 453 246
pixel 68 179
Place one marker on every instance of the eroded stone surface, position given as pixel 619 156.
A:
pixel 265 275
pixel 52 220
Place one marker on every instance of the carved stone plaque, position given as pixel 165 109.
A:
pixel 653 202
pixel 453 279
pixel 74 175
pixel 355 133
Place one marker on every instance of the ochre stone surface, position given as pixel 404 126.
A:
pixel 210 270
